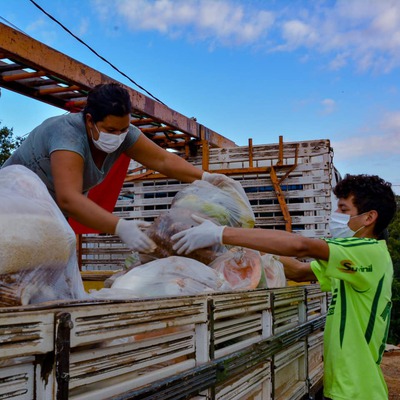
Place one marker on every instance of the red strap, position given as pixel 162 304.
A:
pixel 106 193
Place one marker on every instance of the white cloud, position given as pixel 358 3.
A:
pixel 329 106
pixel 384 143
pixel 391 123
pixel 364 33
pixel 297 33
pixel 223 21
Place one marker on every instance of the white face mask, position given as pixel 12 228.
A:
pixel 108 142
pixel 338 225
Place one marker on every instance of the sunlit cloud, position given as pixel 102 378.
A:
pixel 225 22
pixel 363 33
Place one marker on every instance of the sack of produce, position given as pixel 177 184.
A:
pixel 241 267
pixel 37 246
pixel 173 221
pixel 222 204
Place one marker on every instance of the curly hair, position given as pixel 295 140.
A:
pixel 370 192
pixel 107 99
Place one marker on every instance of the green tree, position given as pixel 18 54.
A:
pixel 394 249
pixel 8 143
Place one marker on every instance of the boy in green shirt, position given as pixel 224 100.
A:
pixel 354 265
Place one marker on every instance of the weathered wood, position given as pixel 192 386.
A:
pixel 162 347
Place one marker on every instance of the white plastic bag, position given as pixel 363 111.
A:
pixel 221 204
pixel 171 276
pixel 274 271
pixel 37 246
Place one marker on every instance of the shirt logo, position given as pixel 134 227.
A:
pixel 348 267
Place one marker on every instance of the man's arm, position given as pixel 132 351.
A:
pixel 296 270
pixel 270 241
pixel 276 242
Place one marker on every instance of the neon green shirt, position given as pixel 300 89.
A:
pixel 359 273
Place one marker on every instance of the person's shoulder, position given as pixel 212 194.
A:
pixel 352 242
pixel 74 118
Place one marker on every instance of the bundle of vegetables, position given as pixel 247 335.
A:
pixel 37 246
pixel 222 204
pixel 241 267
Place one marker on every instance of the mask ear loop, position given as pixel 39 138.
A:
pixel 362 227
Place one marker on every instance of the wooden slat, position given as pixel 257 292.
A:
pixel 26 333
pixel 138 317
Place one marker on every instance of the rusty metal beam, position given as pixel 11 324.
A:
pixel 20 48
pixel 281 199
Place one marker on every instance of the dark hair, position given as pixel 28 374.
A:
pixel 107 99
pixel 370 192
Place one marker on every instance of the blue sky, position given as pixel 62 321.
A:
pixel 244 68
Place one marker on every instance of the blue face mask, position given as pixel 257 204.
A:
pixel 338 225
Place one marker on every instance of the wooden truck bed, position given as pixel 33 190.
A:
pixel 259 344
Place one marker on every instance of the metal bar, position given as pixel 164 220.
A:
pixel 293 167
pixel 25 75
pixel 206 155
pixel 58 89
pixel 205 167
pixel 143 121
pixel 157 129
pixel 62 351
pixel 280 158
pixel 281 199
pixel 250 153
pixel 23 49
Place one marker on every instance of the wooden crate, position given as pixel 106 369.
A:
pixel 290 372
pixel 315 343
pixel 254 385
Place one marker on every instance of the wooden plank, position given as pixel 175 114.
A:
pixel 256 384
pixel 26 333
pixel 290 372
pixel 17 382
pixel 112 321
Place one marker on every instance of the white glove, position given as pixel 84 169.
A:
pixel 130 233
pixel 218 179
pixel 205 235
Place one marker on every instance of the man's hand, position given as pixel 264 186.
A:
pixel 206 234
pixel 130 233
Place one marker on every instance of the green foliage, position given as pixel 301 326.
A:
pixel 394 249
pixel 7 143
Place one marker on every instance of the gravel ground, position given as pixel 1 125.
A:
pixel 391 370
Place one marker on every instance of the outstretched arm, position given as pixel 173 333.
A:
pixel 265 240
pixel 149 154
pixel 296 270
